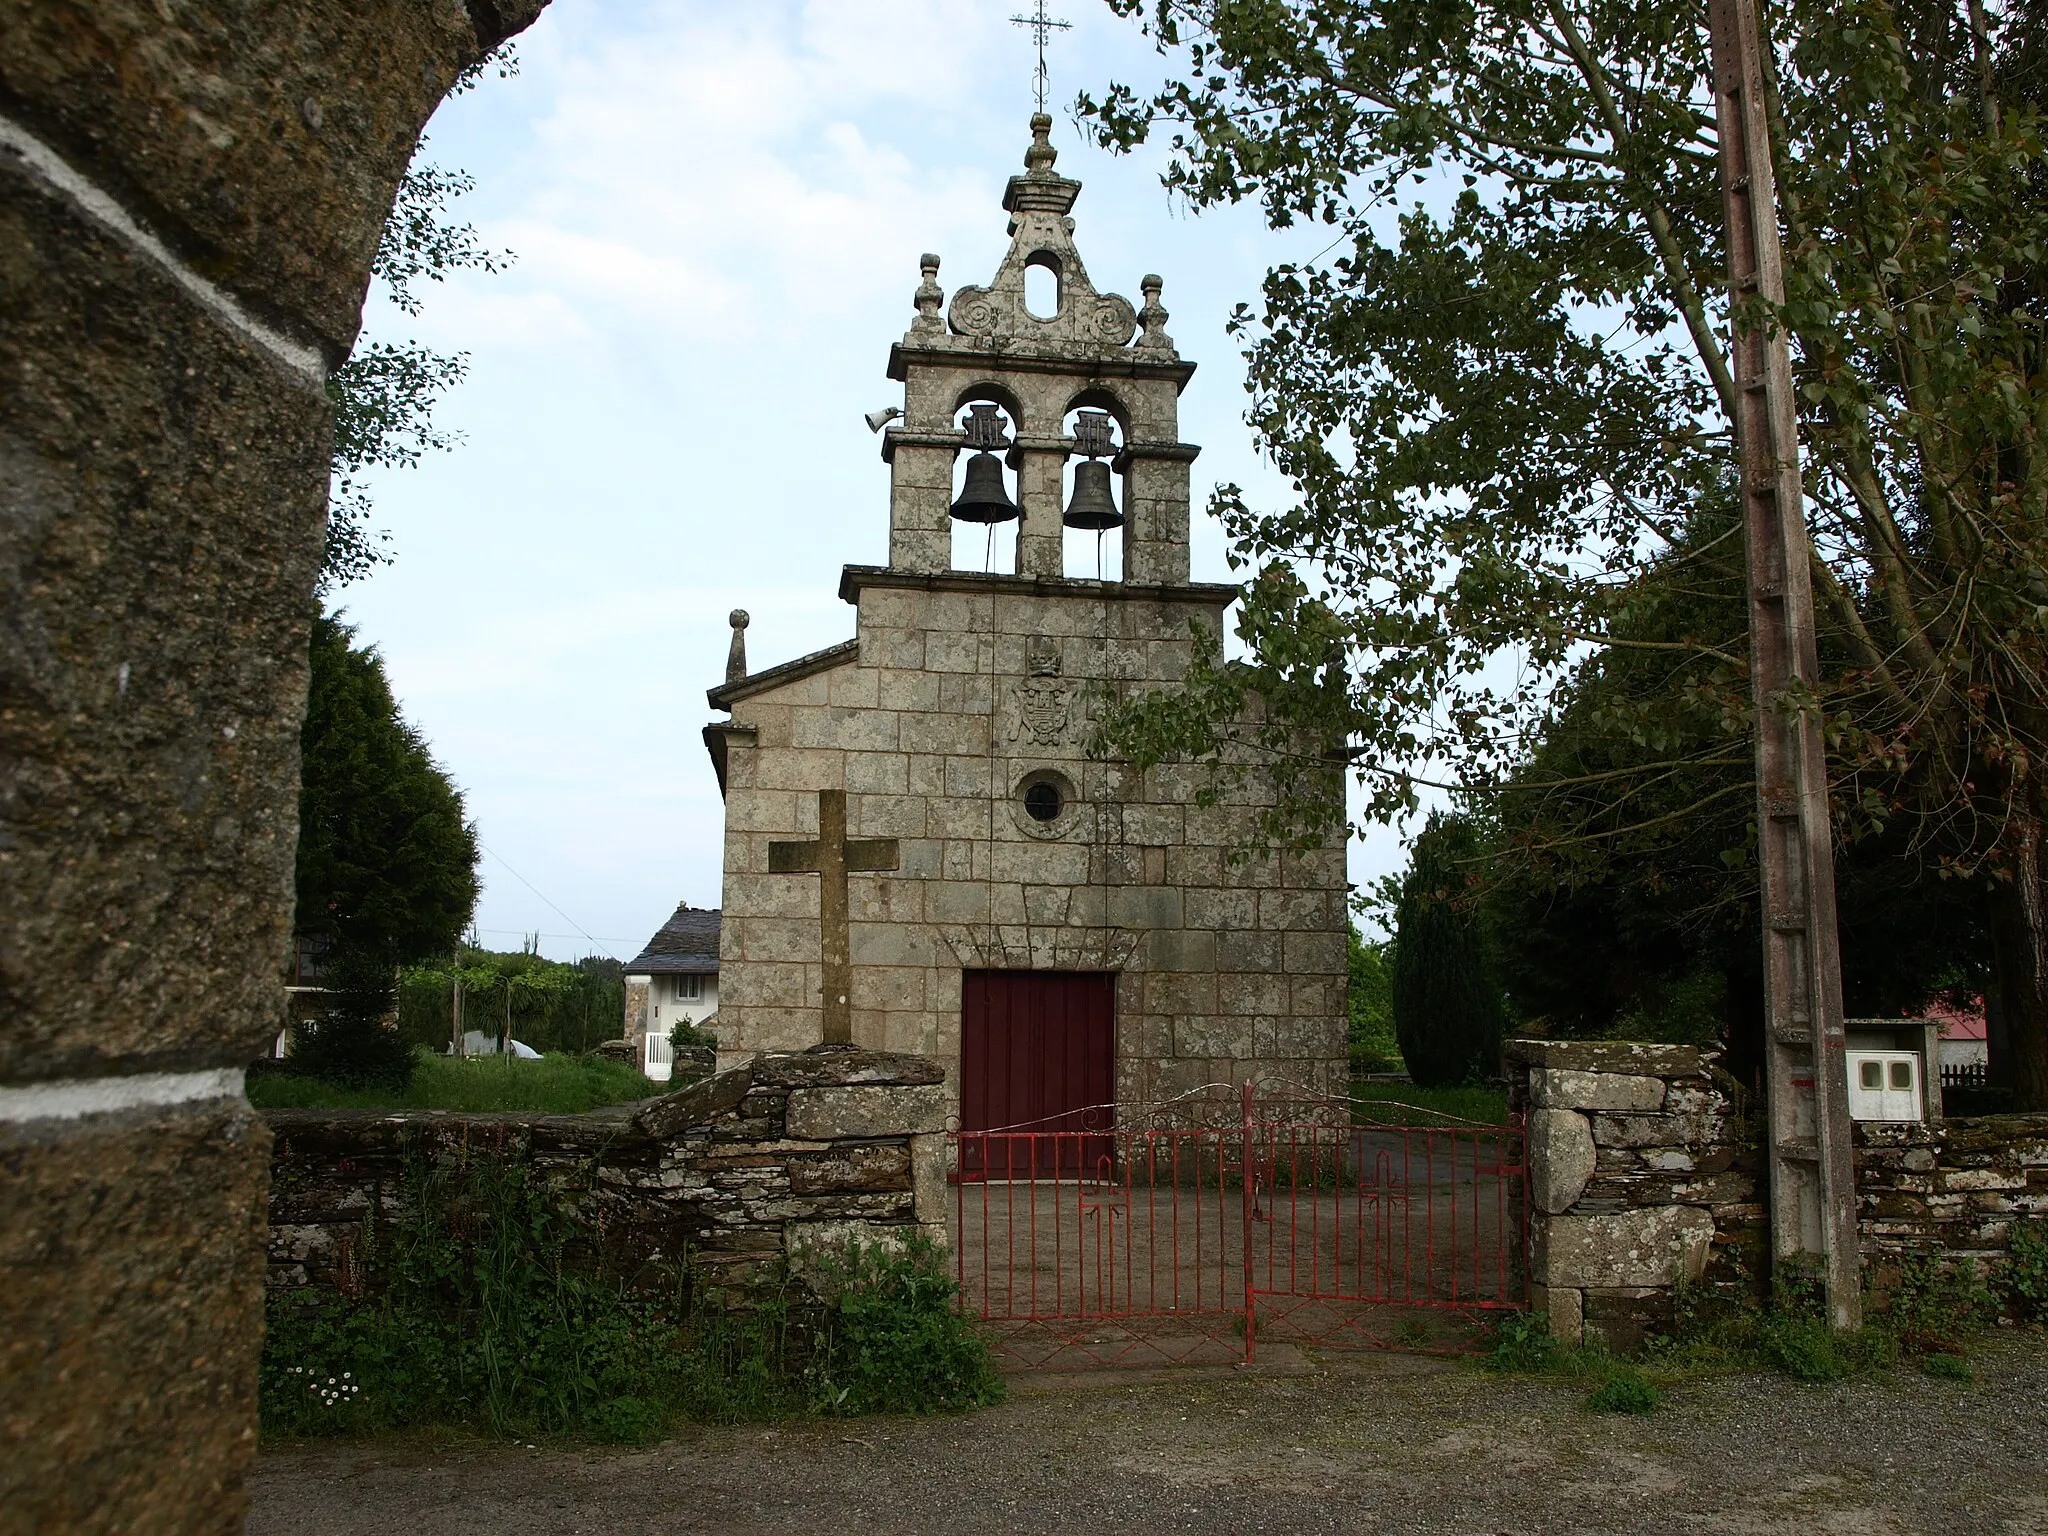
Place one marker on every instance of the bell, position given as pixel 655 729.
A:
pixel 1092 506
pixel 982 497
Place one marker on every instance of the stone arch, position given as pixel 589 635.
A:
pixel 201 188
pixel 991 392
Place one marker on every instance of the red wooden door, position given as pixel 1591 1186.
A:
pixel 1038 1066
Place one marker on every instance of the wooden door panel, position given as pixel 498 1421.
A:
pixel 1037 1063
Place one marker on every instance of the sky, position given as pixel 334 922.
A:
pixel 716 212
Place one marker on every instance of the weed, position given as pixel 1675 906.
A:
pixel 1522 1343
pixel 1947 1367
pixel 1625 1389
pixel 1932 1306
pixel 2023 1279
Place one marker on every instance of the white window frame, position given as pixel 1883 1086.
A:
pixel 689 989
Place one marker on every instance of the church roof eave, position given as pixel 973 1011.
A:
pixel 725 695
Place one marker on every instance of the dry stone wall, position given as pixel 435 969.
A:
pixel 1644 1167
pixel 769 1163
pixel 1641 1176
pixel 1951 1189
pixel 190 196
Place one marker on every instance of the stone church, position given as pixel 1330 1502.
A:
pixel 921 854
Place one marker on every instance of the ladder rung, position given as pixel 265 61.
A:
pixel 1795 1036
pixel 1799 1149
pixel 1757 385
pixel 1788 922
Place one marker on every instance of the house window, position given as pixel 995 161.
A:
pixel 689 988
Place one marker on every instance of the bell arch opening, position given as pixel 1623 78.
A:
pixel 1095 497
pixel 985 505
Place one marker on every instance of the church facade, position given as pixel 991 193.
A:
pixel 921 853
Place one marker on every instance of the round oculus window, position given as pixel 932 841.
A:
pixel 1043 801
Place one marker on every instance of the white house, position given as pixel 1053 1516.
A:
pixel 672 981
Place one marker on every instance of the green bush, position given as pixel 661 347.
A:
pixel 2023 1278
pixel 898 1344
pixel 482 1308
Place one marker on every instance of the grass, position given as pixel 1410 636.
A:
pixel 555 1084
pixel 1375 1103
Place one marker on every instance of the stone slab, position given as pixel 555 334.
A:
pixel 1565 1088
pixel 1629 1057
pixel 1561 1158
pixel 836 1113
pixel 827 1066
pixel 1647 1247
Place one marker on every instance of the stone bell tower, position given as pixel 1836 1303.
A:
pixel 991 347
pixel 926 850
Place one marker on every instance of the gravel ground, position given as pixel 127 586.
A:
pixel 1355 1443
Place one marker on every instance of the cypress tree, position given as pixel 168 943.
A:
pixel 386 863
pixel 1447 1007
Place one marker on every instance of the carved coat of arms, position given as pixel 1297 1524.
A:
pixel 1043 697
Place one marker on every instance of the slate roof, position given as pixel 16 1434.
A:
pixel 685 945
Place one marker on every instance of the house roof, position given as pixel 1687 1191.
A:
pixel 685 945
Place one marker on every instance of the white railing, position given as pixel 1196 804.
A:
pixel 661 1061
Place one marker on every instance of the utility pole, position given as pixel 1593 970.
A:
pixel 1812 1189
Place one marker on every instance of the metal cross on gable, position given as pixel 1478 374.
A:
pixel 1042 28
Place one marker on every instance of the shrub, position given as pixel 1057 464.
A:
pixel 1948 1367
pixel 898 1344
pixel 2023 1278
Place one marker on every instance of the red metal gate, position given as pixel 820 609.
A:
pixel 1037 1063
pixel 1144 1239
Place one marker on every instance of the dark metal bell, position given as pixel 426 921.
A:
pixel 1092 506
pixel 982 497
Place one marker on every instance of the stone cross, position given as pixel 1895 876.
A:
pixel 831 858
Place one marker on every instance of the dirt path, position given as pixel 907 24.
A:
pixel 1361 1443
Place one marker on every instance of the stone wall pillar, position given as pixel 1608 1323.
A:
pixel 920 496
pixel 1041 537
pixel 1156 512
pixel 1636 1161
pixel 189 200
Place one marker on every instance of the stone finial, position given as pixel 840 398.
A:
pixel 928 299
pixel 1152 317
pixel 736 658
pixel 1039 158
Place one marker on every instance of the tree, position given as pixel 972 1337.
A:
pixel 386 868
pixel 1446 1003
pixel 1370 1004
pixel 1626 899
pixel 384 395
pixel 1508 392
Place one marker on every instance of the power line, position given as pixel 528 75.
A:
pixel 565 917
